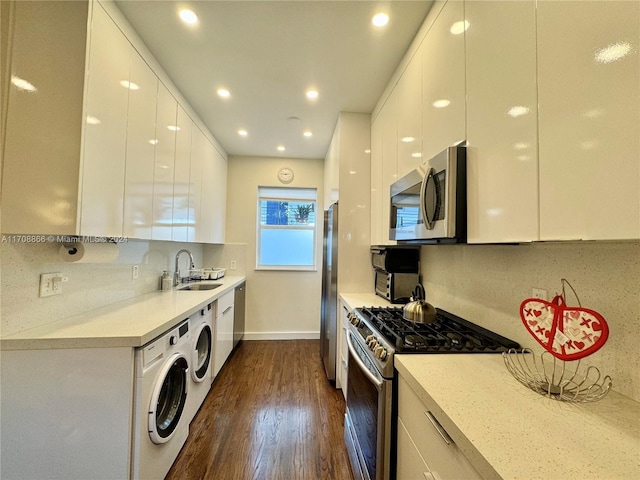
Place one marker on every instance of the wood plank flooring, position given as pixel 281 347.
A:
pixel 271 414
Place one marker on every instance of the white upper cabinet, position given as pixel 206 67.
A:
pixel 589 96
pixel 96 142
pixel 388 117
pixel 141 140
pixel 164 165
pixel 213 196
pixel 41 146
pixel 409 128
pixel 443 79
pixel 502 155
pixel 179 230
pixel 195 184
pixel 106 104
pixel 378 235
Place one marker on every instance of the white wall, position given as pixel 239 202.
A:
pixel 90 285
pixel 486 284
pixel 280 304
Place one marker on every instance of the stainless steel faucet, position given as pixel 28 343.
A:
pixel 176 275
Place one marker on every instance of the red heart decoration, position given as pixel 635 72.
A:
pixel 561 328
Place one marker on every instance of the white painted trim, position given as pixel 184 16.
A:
pixel 281 336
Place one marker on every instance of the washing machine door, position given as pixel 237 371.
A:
pixel 168 399
pixel 201 354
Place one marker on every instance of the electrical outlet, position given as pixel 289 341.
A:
pixel 134 272
pixel 51 284
pixel 232 265
pixel 541 293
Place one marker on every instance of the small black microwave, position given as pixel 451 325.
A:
pixel 429 204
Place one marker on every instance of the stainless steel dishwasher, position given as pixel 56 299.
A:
pixel 238 317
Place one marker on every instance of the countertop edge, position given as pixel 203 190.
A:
pixel 76 332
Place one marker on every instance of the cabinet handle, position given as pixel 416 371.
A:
pixel 227 309
pixel 443 433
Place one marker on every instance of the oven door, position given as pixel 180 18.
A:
pixel 368 416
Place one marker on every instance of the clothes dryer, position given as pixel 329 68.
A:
pixel 201 357
pixel 162 382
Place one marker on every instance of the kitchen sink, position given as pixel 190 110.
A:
pixel 201 286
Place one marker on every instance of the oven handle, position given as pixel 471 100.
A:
pixel 378 383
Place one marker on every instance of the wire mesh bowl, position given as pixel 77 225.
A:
pixel 556 378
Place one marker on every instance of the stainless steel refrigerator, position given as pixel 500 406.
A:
pixel 329 305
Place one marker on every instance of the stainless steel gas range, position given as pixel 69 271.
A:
pixel 374 337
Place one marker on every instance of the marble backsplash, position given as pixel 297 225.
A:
pixel 487 283
pixel 91 285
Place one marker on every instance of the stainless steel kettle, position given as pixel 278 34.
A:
pixel 418 310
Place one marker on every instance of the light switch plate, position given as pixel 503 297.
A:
pixel 51 284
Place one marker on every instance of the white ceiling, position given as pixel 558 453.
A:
pixel 267 54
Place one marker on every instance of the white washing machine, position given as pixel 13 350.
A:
pixel 200 358
pixel 162 381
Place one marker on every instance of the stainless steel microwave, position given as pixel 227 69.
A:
pixel 429 204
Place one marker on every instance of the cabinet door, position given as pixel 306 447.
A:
pixel 502 166
pixel 389 123
pixel 195 183
pixel 410 465
pixel 342 356
pixel 589 97
pixel 166 126
pixel 443 77
pixel 179 228
pixel 439 451
pixel 41 143
pixel 223 331
pixel 218 197
pixel 106 103
pixel 377 235
pixel 141 140
pixel 410 116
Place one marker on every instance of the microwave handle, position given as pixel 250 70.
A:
pixel 428 217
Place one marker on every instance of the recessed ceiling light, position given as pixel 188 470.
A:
pixel 380 19
pixel 307 133
pixel 242 132
pixel 312 93
pixel 280 148
pixel 518 111
pixel 613 52
pixel 459 27
pixel 224 93
pixel 22 84
pixel 441 103
pixel 129 85
pixel 173 128
pixel 188 16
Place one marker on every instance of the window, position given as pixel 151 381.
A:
pixel 286 229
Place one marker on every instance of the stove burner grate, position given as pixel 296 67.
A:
pixel 448 334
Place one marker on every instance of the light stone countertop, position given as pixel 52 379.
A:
pixel 356 300
pixel 130 323
pixel 510 432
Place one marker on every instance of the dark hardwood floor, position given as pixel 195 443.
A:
pixel 271 414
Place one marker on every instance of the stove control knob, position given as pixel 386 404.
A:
pixel 369 340
pixel 374 344
pixel 380 352
pixel 384 354
pixel 354 319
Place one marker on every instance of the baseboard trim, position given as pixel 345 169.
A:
pixel 281 336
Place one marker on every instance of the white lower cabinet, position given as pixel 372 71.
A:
pixel 421 438
pixel 223 335
pixel 342 365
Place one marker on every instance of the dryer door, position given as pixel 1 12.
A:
pixel 201 353
pixel 168 399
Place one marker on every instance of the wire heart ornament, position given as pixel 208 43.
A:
pixel 568 333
